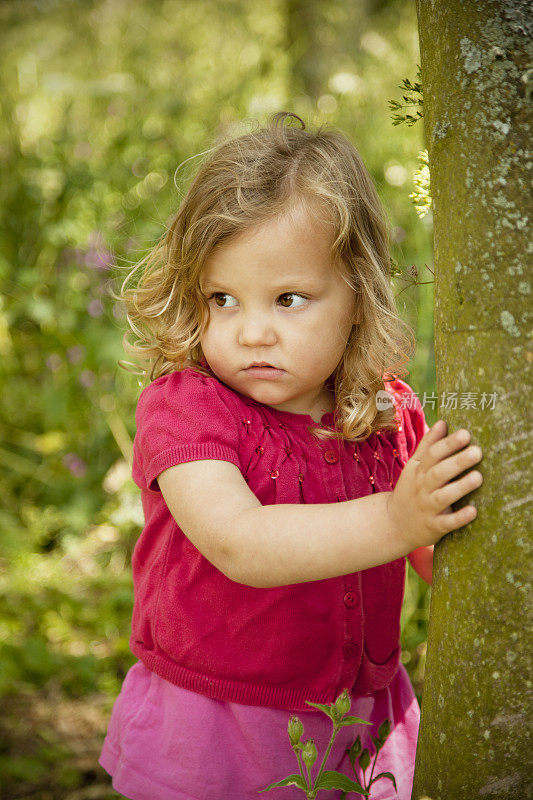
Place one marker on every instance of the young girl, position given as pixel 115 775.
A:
pixel 285 474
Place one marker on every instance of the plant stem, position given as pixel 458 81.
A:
pixel 413 283
pixel 330 745
pixel 372 771
pixel 310 793
pixel 301 768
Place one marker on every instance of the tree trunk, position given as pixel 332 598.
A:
pixel 477 79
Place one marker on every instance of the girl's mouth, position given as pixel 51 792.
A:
pixel 264 372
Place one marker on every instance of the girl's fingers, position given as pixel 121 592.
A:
pixel 436 432
pixel 443 471
pixel 448 522
pixel 447 446
pixel 453 491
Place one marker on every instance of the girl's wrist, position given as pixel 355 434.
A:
pixel 397 529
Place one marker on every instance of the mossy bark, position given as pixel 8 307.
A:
pixel 477 78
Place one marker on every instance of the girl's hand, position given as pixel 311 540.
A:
pixel 420 505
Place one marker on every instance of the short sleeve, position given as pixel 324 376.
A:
pixel 412 414
pixel 182 417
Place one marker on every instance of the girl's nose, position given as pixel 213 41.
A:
pixel 258 331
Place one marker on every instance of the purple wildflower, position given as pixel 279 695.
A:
pixel 53 362
pixel 76 354
pixel 75 464
pixel 98 257
pixel 95 308
pixel 87 378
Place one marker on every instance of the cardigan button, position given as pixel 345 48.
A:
pixel 331 456
pixel 349 650
pixel 259 450
pixel 274 474
pixel 351 600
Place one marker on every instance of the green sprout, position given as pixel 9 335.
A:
pixel 414 99
pixel 306 752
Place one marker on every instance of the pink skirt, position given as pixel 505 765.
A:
pixel 168 743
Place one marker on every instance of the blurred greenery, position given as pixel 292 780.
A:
pixel 101 102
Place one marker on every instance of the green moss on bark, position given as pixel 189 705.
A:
pixel 474 736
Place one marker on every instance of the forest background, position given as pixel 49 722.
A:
pixel 101 102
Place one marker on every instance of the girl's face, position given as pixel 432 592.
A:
pixel 275 297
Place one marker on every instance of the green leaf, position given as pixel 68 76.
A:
pixel 321 707
pixel 336 780
pixel 354 721
pixel 384 730
pixel 364 759
pixel 354 751
pixel 388 775
pixel 292 780
pixel 378 744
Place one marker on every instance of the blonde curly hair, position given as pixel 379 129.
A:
pixel 248 180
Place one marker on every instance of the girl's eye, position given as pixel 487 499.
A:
pixel 217 295
pixel 294 294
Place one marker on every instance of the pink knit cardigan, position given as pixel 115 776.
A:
pixel 274 647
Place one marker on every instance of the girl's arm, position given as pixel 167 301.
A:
pixel 422 562
pixel 279 545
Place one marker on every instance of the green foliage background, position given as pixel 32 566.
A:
pixel 101 102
